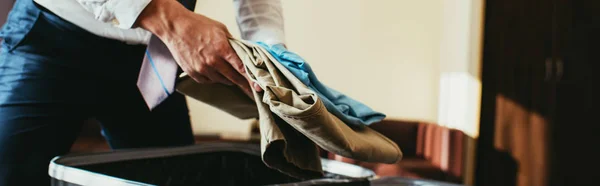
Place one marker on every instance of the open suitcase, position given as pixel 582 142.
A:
pixel 214 163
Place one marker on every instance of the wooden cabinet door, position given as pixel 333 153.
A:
pixel 575 130
pixel 517 93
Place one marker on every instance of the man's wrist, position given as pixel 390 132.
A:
pixel 159 16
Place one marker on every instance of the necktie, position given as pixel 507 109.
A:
pixel 156 80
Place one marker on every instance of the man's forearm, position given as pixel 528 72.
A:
pixel 161 16
pixel 156 16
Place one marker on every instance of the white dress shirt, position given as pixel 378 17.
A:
pixel 258 20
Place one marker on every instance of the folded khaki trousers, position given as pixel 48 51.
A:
pixel 293 120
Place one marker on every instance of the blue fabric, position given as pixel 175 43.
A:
pixel 55 75
pixel 350 111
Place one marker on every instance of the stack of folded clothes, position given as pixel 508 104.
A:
pixel 296 112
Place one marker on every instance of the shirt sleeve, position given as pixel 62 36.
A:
pixel 121 13
pixel 260 20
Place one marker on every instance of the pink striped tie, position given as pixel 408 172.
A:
pixel 156 80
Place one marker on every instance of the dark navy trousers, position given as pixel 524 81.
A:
pixel 53 76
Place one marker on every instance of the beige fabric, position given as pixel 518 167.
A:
pixel 293 120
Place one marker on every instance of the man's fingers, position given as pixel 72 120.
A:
pixel 235 61
pixel 256 87
pixel 239 78
pixel 202 79
pixel 228 34
pixel 232 58
pixel 224 28
pixel 230 73
pixel 221 79
pixel 215 76
pixel 199 77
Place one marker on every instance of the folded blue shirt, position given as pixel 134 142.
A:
pixel 345 108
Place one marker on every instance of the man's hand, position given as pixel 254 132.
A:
pixel 199 44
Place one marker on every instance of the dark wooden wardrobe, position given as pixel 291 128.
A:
pixel 537 126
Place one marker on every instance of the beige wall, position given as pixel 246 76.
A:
pixel 460 59
pixel 384 53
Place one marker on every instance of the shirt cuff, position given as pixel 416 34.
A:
pixel 260 20
pixel 269 36
pixel 126 12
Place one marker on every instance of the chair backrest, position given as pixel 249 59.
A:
pixel 442 146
